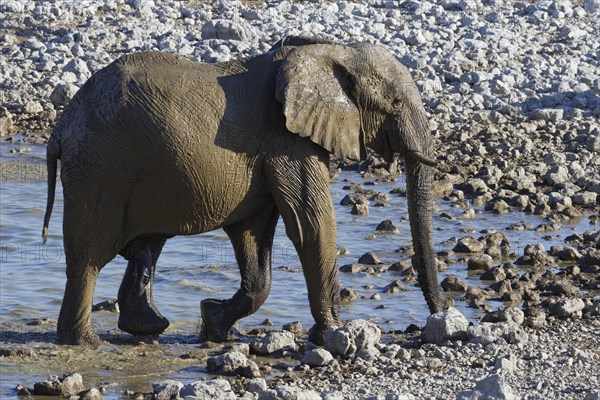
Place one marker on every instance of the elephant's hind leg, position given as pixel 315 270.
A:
pixel 138 313
pixel 252 241
pixel 84 262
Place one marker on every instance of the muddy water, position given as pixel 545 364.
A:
pixel 193 268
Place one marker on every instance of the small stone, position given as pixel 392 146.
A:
pixel 347 295
pixel 568 308
pixel 584 198
pixel 548 114
pixel 453 284
pixel 360 209
pixel 369 259
pixel 387 226
pixel 399 266
pixel 229 30
pixel 62 94
pixel 289 393
pixel 352 268
pixel 483 262
pixel 212 389
pixel 447 325
pixel 256 385
pixel 496 274
pixel 512 314
pixel 317 358
pixel 92 394
pixel 492 387
pixel 557 175
pixel 6 122
pixel 167 390
pixel 468 245
pixel 271 342
pixel 107 305
pixel 33 107
pixel 69 385
pixel 352 337
pixel 486 332
pixel 394 287
pixel 508 365
pixel 294 327
pixel 369 353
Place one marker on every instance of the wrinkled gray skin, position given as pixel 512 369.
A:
pixel 155 145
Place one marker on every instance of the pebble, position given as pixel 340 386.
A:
pixel 545 106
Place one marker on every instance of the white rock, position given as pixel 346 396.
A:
pixel 369 353
pixel 491 388
pixel 282 392
pixel 585 198
pixel 165 390
pixel 449 324
pixel 352 337
pixel 79 68
pixel 62 94
pixel 548 114
pixel 508 365
pixel 6 122
pixel 568 308
pixel 206 390
pixel 317 357
pixel 271 342
pixel 257 385
pixel 557 175
pixel 229 30
pixel 33 107
pixel 485 333
pixel 512 314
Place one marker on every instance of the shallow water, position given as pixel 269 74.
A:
pixel 193 268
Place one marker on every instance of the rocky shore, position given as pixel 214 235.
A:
pixel 513 93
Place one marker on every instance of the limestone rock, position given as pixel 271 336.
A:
pixel 271 342
pixel 447 325
pixel 352 337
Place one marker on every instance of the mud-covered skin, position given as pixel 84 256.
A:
pixel 138 314
pixel 155 145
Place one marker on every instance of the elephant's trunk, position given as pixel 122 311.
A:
pixel 420 208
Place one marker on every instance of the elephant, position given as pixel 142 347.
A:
pixel 155 145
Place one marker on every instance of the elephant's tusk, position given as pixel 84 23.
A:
pixel 422 158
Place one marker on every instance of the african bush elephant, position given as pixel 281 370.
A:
pixel 155 145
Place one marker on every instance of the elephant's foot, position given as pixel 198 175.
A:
pixel 141 319
pixel 316 335
pixel 78 337
pixel 215 321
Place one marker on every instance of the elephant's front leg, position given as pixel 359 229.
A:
pixel 138 313
pixel 301 191
pixel 252 240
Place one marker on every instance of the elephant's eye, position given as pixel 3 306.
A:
pixel 397 104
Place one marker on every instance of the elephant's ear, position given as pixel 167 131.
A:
pixel 316 88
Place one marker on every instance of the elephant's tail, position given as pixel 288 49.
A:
pixel 52 156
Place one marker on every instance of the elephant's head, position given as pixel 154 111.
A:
pixel 349 98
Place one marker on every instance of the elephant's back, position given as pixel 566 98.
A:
pixel 144 102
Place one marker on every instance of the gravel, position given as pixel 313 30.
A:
pixel 512 90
